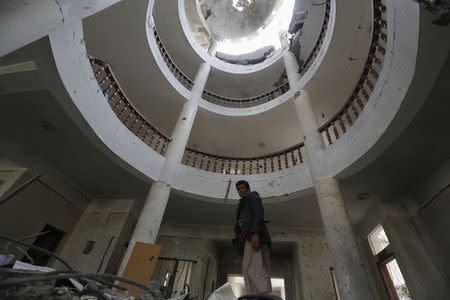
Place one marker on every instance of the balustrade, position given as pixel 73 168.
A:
pixel 244 166
pixel 124 110
pixel 344 118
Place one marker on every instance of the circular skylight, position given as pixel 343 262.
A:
pixel 268 35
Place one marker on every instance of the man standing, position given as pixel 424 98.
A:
pixel 251 230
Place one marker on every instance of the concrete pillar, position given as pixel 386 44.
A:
pixel 212 50
pixel 200 82
pixel 291 66
pixel 308 123
pixel 313 140
pixel 352 280
pixel 155 204
pixel 147 226
pixel 23 22
pixel 180 135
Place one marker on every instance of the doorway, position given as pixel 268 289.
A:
pixel 393 279
pixel 392 276
pixel 49 240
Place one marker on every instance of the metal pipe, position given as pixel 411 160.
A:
pixel 25 238
pixel 49 277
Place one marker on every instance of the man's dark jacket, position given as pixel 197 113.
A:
pixel 250 219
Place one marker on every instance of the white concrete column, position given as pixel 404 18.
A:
pixel 182 130
pixel 312 138
pixel 352 280
pixel 212 50
pixel 180 136
pixel 155 204
pixel 308 123
pixel 23 22
pixel 200 82
pixel 291 66
pixel 147 226
pixel 353 283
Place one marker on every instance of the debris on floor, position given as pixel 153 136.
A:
pixel 20 280
pixel 225 292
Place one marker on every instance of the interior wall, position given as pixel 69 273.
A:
pixel 98 234
pixel 121 245
pixel 416 223
pixel 422 276
pixel 31 209
pixel 312 279
pixel 14 156
pixel 315 266
pixel 9 174
pixel 432 221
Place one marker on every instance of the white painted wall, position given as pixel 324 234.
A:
pixel 23 22
pixel 214 185
pixel 102 223
pixel 400 91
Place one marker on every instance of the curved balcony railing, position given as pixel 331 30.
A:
pixel 246 102
pixel 315 51
pixel 124 110
pixel 344 118
pixel 179 75
pixel 210 96
pixel 244 166
pixel 154 138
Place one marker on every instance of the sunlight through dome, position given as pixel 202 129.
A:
pixel 267 35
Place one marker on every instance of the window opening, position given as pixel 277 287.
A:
pixel 393 279
pixel 378 239
pixel 391 274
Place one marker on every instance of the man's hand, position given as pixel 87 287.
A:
pixel 255 242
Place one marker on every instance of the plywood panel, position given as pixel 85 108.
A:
pixel 141 265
